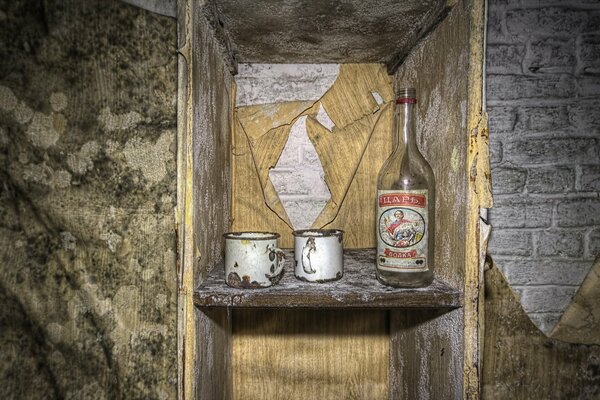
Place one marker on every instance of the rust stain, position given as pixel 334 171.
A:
pixel 234 280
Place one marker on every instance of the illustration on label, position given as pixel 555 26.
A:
pixel 401 227
pixel 402 230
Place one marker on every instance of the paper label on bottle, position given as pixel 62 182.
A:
pixel 402 225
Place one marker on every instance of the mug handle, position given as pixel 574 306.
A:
pixel 280 257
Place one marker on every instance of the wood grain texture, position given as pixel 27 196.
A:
pixel 250 211
pixel 300 354
pixel 214 348
pixel 204 126
pixel 356 215
pixel 425 360
pixel 449 100
pixel 211 145
pixel 186 326
pixel 522 363
pixel 357 288
pixel 480 197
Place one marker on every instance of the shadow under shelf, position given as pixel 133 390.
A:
pixel 358 288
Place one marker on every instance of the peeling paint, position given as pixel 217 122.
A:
pixel 77 218
pixel 8 100
pixel 82 161
pixel 23 113
pixel 3 136
pixel 137 153
pixel 324 118
pixel 43 130
pixel 68 241
pixel 58 101
pixel 112 240
pixel 115 122
pixel 45 175
pixel 454 159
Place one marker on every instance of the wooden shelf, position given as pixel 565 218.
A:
pixel 358 288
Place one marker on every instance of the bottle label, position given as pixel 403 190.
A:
pixel 402 220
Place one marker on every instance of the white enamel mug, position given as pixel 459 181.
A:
pixel 318 255
pixel 252 259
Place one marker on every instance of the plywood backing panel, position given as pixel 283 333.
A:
pixel 310 354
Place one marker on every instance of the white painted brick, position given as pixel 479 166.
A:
pixel 550 55
pixel 585 116
pixel 495 151
pixel 547 299
pixel 531 271
pixel 504 58
pixel 589 54
pixel 560 243
pixel 541 118
pixel 495 24
pixel 589 85
pixel 593 249
pixel 501 119
pixel 510 242
pixel 571 151
pixel 589 180
pixel 578 212
pixel 290 182
pixel 508 180
pixel 554 179
pixel 303 213
pixel 275 83
pixel 511 87
pixel 521 212
pixel 545 21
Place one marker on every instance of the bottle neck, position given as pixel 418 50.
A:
pixel 406 133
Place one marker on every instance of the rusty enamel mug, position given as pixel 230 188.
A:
pixel 318 255
pixel 252 259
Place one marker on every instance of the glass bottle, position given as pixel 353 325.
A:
pixel 405 206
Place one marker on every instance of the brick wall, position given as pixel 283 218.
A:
pixel 543 100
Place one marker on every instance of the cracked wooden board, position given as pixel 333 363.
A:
pixel 356 215
pixel 342 152
pixel 249 207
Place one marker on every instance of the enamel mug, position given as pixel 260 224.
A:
pixel 252 259
pixel 318 255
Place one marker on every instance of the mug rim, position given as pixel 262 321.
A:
pixel 317 232
pixel 236 235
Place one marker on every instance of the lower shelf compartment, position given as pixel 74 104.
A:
pixel 358 288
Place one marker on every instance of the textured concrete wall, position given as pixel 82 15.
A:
pixel 543 97
pixel 87 197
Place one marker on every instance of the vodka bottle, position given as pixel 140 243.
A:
pixel 405 206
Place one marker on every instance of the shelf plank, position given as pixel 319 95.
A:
pixel 358 288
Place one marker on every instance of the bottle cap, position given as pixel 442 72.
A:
pixel 407 95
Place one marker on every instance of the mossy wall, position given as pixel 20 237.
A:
pixel 88 95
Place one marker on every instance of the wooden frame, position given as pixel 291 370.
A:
pixel 447 368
